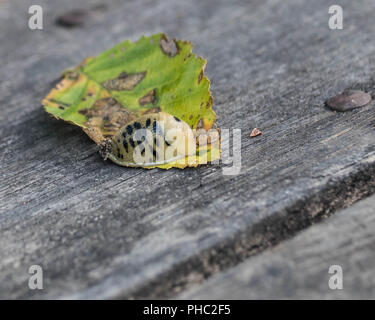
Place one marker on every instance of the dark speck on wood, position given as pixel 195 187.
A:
pixel 349 100
pixel 71 19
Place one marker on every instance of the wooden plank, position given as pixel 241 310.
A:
pixel 298 268
pixel 102 231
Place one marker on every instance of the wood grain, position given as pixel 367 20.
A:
pixel 103 231
pixel 298 268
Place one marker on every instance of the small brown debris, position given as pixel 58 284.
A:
pixel 349 100
pixel 255 132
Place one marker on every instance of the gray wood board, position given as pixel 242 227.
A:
pixel 298 268
pixel 103 231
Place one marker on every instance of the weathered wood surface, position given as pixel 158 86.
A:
pixel 298 268
pixel 103 231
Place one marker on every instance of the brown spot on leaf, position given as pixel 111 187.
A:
pixel 209 103
pixel 148 98
pixel 59 104
pixel 72 75
pixel 200 77
pixel 200 124
pixel 169 47
pixel 151 110
pixel 124 81
pixel 107 116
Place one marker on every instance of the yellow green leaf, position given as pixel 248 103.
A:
pixel 152 75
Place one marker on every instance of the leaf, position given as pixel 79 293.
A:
pixel 152 75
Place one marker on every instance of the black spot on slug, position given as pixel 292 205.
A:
pixel 148 122
pixel 137 125
pixel 119 154
pixel 131 141
pixel 178 120
pixel 125 146
pixel 129 129
pixel 140 140
pixel 157 129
